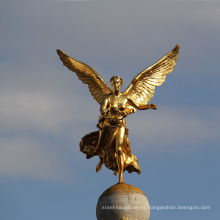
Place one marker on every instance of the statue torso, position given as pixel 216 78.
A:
pixel 117 103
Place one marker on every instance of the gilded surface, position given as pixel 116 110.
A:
pixel 111 141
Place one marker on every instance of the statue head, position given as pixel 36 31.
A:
pixel 116 82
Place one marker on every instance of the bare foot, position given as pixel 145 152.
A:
pixel 121 180
pixel 99 166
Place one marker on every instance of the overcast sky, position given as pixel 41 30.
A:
pixel 45 110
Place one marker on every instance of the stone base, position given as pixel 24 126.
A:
pixel 123 202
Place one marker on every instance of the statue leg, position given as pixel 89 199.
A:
pixel 119 150
pixel 99 166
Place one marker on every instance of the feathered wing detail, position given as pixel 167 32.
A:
pixel 141 89
pixel 97 86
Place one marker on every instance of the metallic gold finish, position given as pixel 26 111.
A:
pixel 111 142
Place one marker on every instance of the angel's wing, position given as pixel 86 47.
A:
pixel 97 86
pixel 142 86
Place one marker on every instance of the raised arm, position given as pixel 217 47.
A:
pixel 141 107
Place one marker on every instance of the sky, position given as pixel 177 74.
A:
pixel 45 110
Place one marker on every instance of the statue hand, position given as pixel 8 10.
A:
pixel 153 106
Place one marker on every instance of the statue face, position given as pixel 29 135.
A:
pixel 116 83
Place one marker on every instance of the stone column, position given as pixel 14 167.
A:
pixel 123 202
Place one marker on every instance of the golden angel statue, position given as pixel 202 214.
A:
pixel 111 141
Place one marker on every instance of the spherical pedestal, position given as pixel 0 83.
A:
pixel 123 202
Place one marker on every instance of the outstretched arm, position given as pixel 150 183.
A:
pixel 141 107
pixel 141 89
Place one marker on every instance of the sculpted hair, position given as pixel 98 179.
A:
pixel 117 77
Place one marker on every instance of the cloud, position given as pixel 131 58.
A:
pixel 42 101
pixel 34 110
pixel 40 96
pixel 175 129
pixel 25 157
